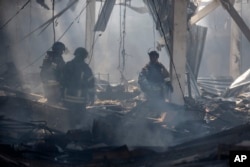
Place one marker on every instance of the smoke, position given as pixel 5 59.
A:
pixel 27 54
pixel 140 33
pixel 139 37
pixel 216 55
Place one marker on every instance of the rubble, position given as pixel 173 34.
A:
pixel 107 91
pixel 76 148
pixel 121 128
pixel 122 132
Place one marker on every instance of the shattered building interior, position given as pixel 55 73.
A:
pixel 203 43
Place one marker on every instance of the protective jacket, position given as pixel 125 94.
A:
pixel 78 83
pixel 51 76
pixel 153 79
pixel 51 69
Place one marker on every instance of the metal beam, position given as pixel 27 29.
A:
pixel 204 12
pixel 236 17
pixel 103 18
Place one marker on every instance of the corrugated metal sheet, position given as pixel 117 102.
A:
pixel 196 42
pixel 215 85
pixel 241 80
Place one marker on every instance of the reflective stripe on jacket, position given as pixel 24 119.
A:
pixel 76 98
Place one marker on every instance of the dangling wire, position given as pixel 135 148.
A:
pixel 171 56
pixel 53 24
pixel 120 43
pixel 30 24
pixel 154 33
pixel 95 38
pixel 48 21
pixel 123 37
pixel 84 6
pixel 122 53
pixel 91 51
pixel 14 15
pixel 30 15
pixel 39 57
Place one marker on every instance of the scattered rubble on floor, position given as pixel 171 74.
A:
pixel 34 144
pixel 122 132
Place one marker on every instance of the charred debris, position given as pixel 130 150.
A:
pixel 122 128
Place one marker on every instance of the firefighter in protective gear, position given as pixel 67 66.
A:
pixel 51 72
pixel 154 79
pixel 78 82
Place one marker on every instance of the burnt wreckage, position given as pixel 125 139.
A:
pixel 122 128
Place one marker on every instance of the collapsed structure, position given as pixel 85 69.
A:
pixel 200 125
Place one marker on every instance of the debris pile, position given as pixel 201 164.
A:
pixel 35 144
pixel 127 131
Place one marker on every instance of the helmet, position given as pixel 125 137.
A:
pixel 81 52
pixel 58 46
pixel 153 53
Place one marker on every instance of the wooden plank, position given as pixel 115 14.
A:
pixel 204 12
pixel 238 20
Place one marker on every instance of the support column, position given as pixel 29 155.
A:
pixel 89 32
pixel 235 49
pixel 179 50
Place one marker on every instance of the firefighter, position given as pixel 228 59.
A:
pixel 78 83
pixel 51 72
pixel 154 79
